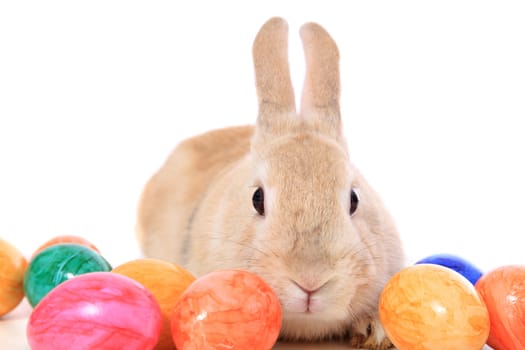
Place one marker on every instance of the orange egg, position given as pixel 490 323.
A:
pixel 166 281
pixel 428 307
pixel 12 267
pixel 503 290
pixel 66 239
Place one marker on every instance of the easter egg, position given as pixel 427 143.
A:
pixel 99 310
pixel 12 268
pixel 227 309
pixel 503 290
pixel 65 239
pixel 428 307
pixel 57 264
pixel 166 281
pixel 456 263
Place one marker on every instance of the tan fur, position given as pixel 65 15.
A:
pixel 197 209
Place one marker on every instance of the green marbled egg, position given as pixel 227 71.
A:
pixel 57 264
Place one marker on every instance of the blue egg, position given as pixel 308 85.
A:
pixel 460 265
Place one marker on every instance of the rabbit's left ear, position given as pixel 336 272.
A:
pixel 321 91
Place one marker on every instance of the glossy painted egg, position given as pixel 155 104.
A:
pixel 456 263
pixel 229 309
pixel 57 264
pixel 428 307
pixel 66 239
pixel 12 267
pixel 503 290
pixel 166 281
pixel 99 310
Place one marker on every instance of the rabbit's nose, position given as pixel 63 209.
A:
pixel 309 301
pixel 310 287
pixel 308 291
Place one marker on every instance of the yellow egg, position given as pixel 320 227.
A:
pixel 428 307
pixel 12 267
pixel 166 281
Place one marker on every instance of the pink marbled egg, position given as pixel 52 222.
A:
pixel 100 310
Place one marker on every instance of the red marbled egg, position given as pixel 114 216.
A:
pixel 503 291
pixel 229 309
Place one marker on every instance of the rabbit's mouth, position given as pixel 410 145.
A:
pixel 310 300
pixel 307 304
pixel 305 297
pixel 311 314
pixel 311 320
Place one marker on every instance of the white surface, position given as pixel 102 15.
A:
pixel 94 95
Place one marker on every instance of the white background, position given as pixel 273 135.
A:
pixel 95 94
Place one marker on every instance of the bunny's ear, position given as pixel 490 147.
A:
pixel 320 99
pixel 272 75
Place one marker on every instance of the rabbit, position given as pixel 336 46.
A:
pixel 281 199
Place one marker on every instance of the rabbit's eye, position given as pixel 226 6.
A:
pixel 354 201
pixel 258 201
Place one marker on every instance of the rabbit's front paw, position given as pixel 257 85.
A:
pixel 369 334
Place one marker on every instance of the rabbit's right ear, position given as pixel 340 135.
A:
pixel 272 76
